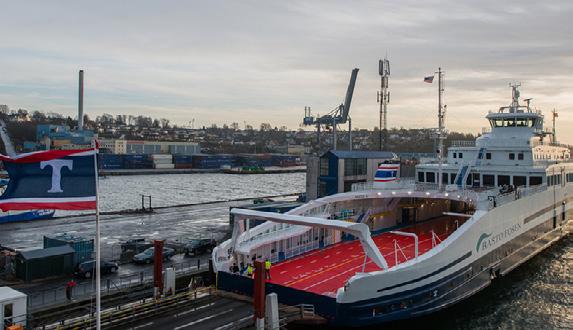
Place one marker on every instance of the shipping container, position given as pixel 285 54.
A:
pixel 183 165
pixel 164 166
pixel 83 247
pixel 42 263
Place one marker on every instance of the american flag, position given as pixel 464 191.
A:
pixel 429 79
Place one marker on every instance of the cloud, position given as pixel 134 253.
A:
pixel 223 61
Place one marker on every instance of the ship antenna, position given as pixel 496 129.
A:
pixel 441 117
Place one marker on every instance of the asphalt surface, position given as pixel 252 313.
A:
pixel 217 315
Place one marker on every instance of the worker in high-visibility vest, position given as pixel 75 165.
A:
pixel 250 270
pixel 268 269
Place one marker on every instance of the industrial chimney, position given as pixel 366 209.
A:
pixel 81 102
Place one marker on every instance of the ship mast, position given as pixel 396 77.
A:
pixel 441 117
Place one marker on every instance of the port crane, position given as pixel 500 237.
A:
pixel 339 115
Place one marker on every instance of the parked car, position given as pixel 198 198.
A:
pixel 86 269
pixel 146 257
pixel 199 246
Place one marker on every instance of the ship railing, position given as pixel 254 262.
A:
pixel 495 197
pixel 403 233
pixel 435 239
pixel 396 249
pixel 463 143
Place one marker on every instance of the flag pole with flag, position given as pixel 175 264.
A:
pixel 429 79
pixel 56 180
pixel 97 240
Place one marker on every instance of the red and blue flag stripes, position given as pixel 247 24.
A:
pixel 54 179
pixel 387 173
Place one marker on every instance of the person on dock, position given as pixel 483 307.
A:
pixel 249 270
pixel 69 287
pixel 268 269
pixel 241 268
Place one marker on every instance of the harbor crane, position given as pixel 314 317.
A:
pixel 339 115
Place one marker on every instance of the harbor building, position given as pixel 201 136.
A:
pixel 121 147
pixel 336 170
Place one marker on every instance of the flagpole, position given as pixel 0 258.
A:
pixel 97 244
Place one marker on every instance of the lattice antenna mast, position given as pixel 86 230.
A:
pixel 441 126
pixel 383 97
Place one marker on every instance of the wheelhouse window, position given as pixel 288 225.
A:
pixel 519 181
pixel 452 178
pixel 455 154
pixel 430 177
pixel 460 155
pixel 421 177
pixel 488 155
pixel 502 180
pixel 488 180
pixel 511 156
pixel 520 156
pixel 535 180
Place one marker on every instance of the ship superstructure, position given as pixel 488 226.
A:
pixel 394 249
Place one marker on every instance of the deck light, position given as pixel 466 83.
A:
pixel 427 193
pixel 446 194
pixel 409 193
pixel 379 193
pixel 458 196
pixel 393 193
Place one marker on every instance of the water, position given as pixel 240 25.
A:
pixel 536 295
pixel 124 192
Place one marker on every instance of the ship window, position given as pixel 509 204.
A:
pixel 455 154
pixel 519 181
pixel 430 177
pixel 521 122
pixel 488 180
pixel 510 122
pixel 421 177
pixel 488 155
pixel 511 156
pixel 445 178
pixel 461 155
pixel 520 156
pixel 531 122
pixel 534 180
pixel 452 178
pixel 502 180
pixel 558 176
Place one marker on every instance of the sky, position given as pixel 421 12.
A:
pixel 263 61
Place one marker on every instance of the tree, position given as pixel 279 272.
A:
pixel 265 127
pixel 156 123
pixel 235 126
pixel 164 123
pixel 38 116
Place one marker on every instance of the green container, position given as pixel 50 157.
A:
pixel 83 247
pixel 42 263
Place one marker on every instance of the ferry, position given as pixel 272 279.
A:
pixel 399 248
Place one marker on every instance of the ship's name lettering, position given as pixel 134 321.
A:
pixel 495 239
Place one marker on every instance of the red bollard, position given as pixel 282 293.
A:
pixel 259 294
pixel 158 267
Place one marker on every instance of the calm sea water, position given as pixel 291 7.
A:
pixel 124 192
